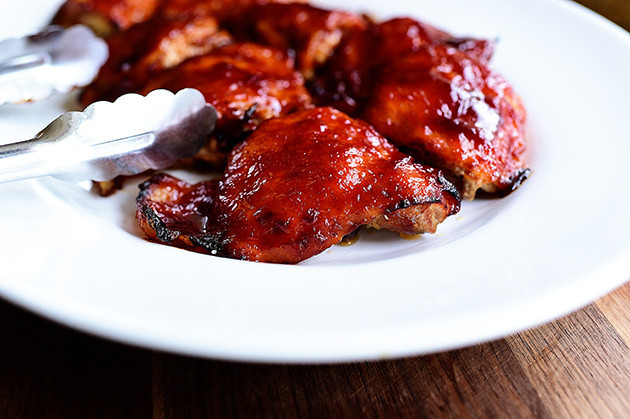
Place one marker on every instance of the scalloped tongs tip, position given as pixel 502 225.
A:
pixel 129 136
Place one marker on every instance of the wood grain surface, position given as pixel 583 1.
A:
pixel 578 366
pixel 617 11
pixel 575 367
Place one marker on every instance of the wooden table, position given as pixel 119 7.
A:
pixel 578 366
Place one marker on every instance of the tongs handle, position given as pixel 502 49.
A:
pixel 26 159
pixel 24 62
pixel 59 151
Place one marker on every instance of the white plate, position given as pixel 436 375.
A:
pixel 498 267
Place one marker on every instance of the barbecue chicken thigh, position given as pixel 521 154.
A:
pixel 295 187
pixel 452 111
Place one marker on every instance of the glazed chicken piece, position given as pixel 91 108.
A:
pixel 246 83
pixel 309 32
pixel 105 17
pixel 434 95
pixel 147 48
pixel 346 79
pixel 452 111
pixel 295 187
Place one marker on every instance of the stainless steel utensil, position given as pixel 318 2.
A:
pixel 55 60
pixel 129 136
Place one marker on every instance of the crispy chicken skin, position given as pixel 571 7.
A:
pixel 452 111
pixel 295 187
pixel 309 32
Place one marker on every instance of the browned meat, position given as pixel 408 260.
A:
pixel 310 32
pixel 295 187
pixel 452 111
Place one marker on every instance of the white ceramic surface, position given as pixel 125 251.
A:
pixel 496 268
pixel 66 59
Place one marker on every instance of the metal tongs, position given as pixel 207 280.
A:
pixel 56 60
pixel 129 136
